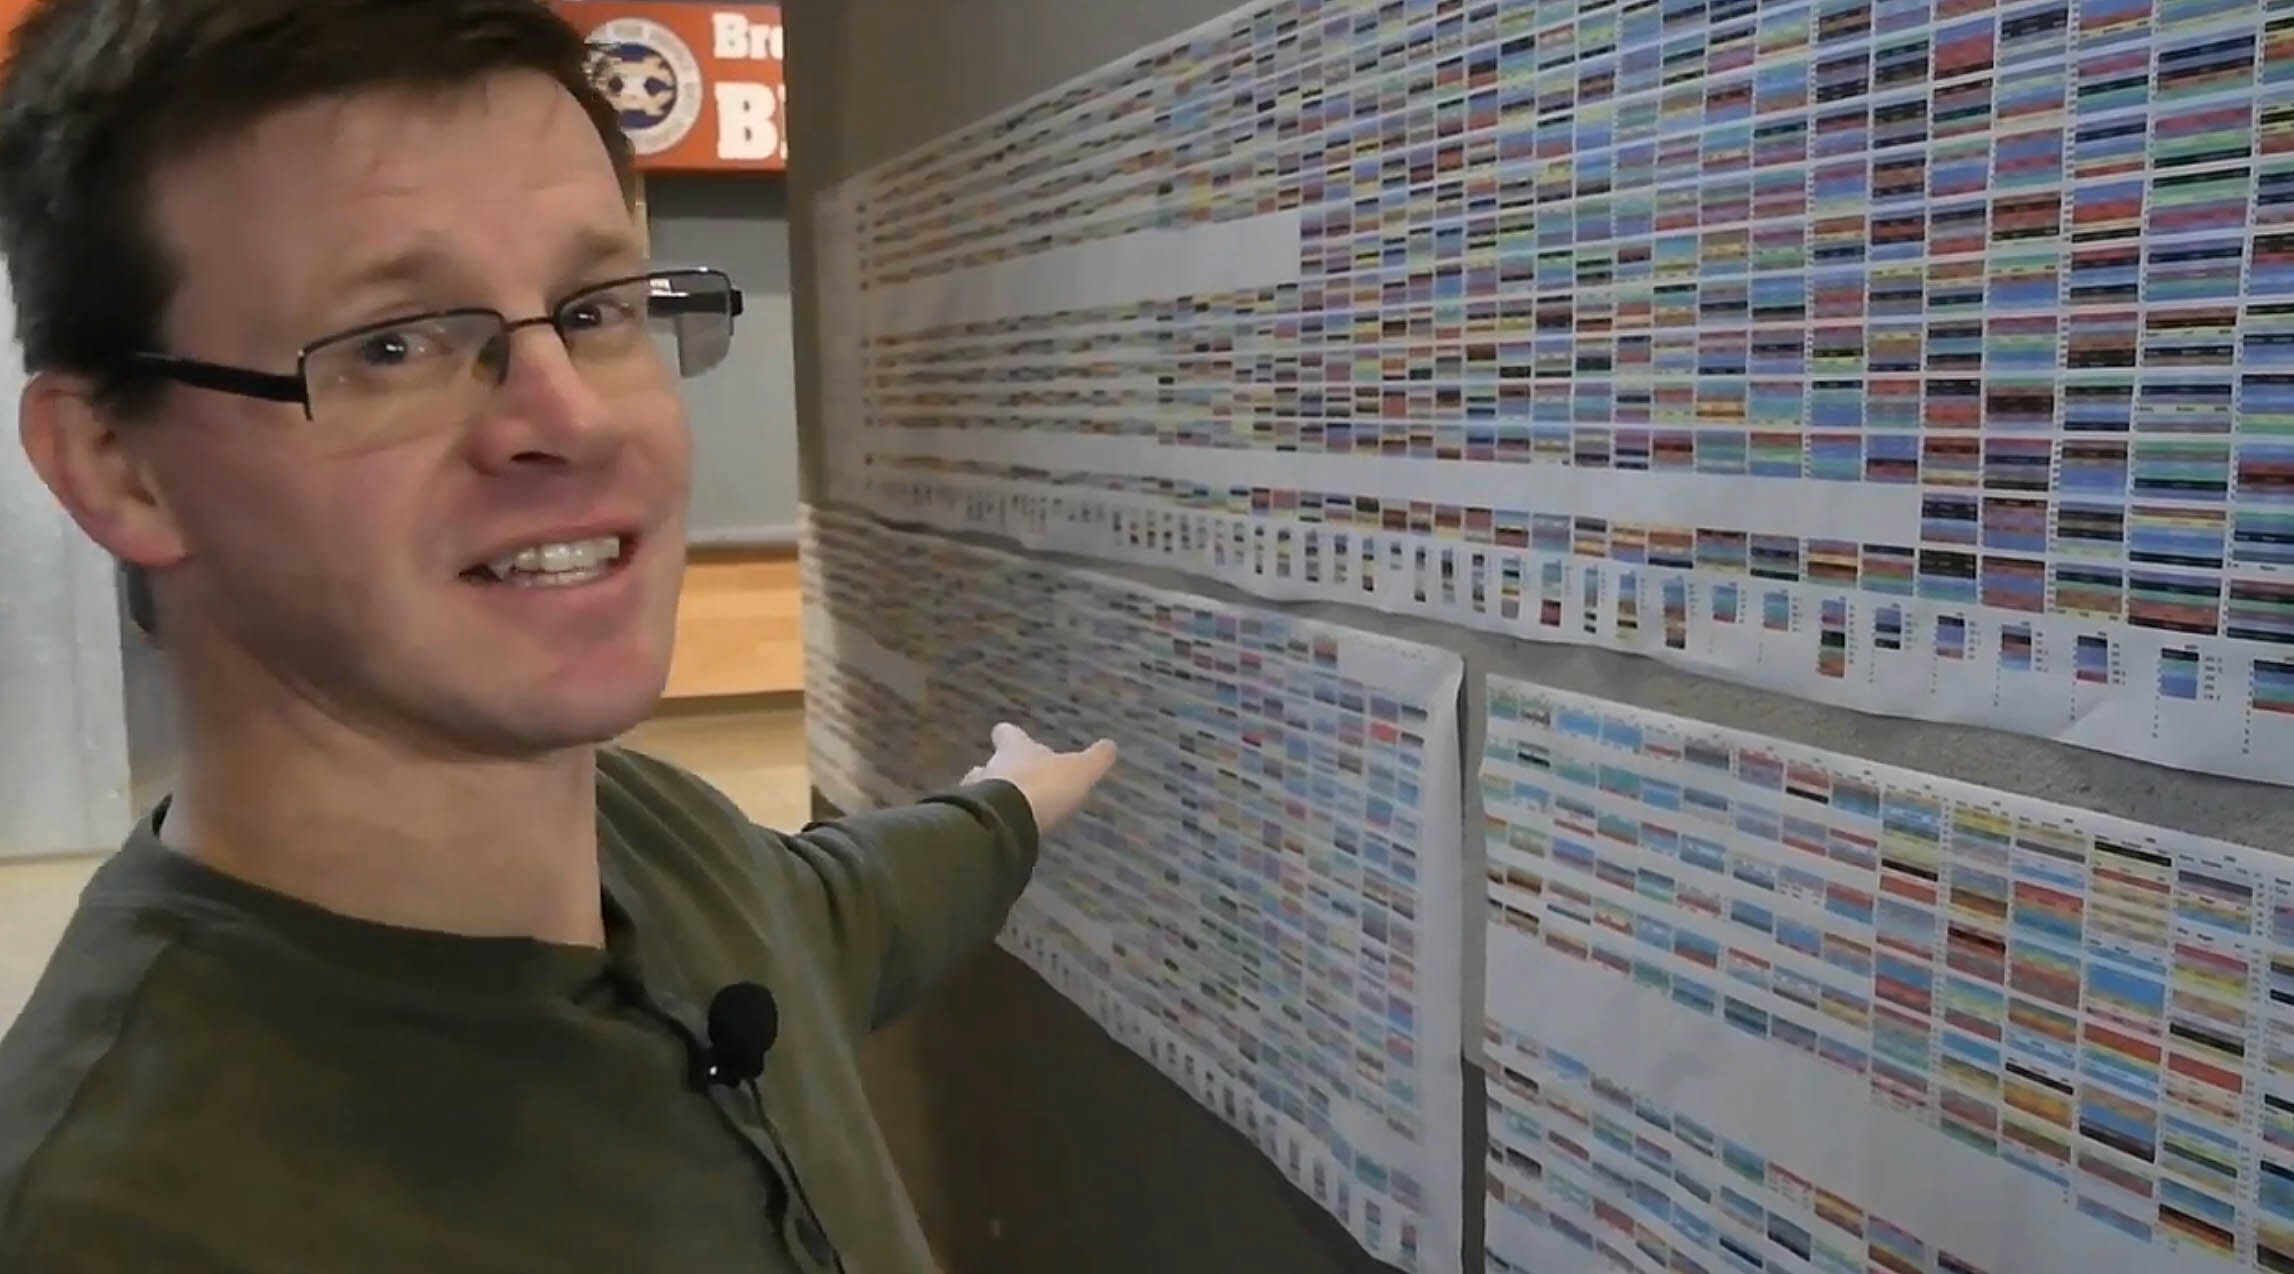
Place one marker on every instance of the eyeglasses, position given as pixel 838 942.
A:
pixel 385 379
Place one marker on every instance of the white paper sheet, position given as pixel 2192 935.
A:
pixel 1830 1015
pixel 1261 901
pixel 1922 360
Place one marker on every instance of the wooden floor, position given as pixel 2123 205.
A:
pixel 740 627
pixel 753 751
pixel 36 898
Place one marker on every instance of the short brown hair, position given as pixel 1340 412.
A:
pixel 97 92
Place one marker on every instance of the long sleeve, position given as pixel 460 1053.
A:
pixel 909 892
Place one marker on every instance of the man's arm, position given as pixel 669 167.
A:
pixel 909 892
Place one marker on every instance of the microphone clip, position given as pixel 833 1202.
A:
pixel 744 1022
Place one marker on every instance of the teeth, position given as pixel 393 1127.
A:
pixel 571 562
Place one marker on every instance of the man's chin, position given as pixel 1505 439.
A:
pixel 574 716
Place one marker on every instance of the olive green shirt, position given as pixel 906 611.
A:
pixel 215 1078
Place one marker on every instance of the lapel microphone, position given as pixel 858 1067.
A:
pixel 743 1023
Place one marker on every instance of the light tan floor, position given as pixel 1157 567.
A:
pixel 35 900
pixel 754 753
pixel 740 627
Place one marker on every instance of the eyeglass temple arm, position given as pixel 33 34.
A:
pixel 269 386
pixel 670 304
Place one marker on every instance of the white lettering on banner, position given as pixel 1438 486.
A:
pixel 749 123
pixel 740 37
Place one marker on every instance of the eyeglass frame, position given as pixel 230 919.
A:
pixel 295 387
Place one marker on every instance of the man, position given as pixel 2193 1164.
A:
pixel 340 333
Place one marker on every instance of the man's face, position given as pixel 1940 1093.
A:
pixel 355 575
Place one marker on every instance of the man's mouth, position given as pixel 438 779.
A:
pixel 563 564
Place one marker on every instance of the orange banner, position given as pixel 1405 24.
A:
pixel 11 13
pixel 699 86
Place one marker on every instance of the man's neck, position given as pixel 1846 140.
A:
pixel 345 823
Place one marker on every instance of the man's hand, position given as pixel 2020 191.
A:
pixel 1055 783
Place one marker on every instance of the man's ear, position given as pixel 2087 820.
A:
pixel 81 454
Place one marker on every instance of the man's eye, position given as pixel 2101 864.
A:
pixel 600 311
pixel 398 346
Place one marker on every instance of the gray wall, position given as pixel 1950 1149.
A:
pixel 877 77
pixel 744 412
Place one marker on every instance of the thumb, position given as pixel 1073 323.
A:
pixel 1007 735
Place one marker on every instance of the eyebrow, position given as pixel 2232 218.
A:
pixel 418 264
pixel 595 245
pixel 424 261
pixel 428 263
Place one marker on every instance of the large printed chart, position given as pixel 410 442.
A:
pixel 1929 357
pixel 1265 903
pixel 1754 1006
